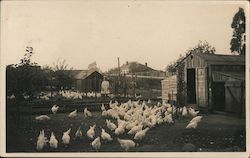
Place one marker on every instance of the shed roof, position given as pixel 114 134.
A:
pixel 219 59
pixel 79 74
pixel 235 75
pixel 82 74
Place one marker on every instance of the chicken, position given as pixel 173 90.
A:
pixel 103 107
pixel 87 113
pixel 96 144
pixel 141 134
pixel 41 141
pixel 192 112
pixel 73 114
pixel 12 96
pixel 130 125
pixel 168 118
pixel 53 143
pixel 42 118
pixel 66 137
pixel 54 109
pixel 111 125
pixel 184 111
pixel 126 144
pixel 196 119
pixel 78 133
pixel 194 122
pixel 106 136
pixel 91 132
pixel 135 129
pixel 192 125
pixel 119 130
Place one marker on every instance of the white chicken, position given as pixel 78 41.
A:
pixel 78 133
pixel 42 118
pixel 66 137
pixel 87 113
pixel 41 141
pixel 53 143
pixel 192 112
pixel 196 119
pixel 91 132
pixel 106 136
pixel 96 144
pixel 141 134
pixel 103 107
pixel 126 144
pixel 73 114
pixel 194 122
pixel 135 129
pixel 192 125
pixel 168 118
pixel 111 125
pixel 119 130
pixel 54 109
pixel 184 111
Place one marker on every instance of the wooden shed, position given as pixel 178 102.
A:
pixel 169 89
pixel 214 82
pixel 87 81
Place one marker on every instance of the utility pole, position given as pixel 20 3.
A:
pixel 119 75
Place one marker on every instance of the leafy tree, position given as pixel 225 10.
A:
pixel 201 47
pixel 238 41
pixel 25 77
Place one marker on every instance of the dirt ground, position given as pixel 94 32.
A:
pixel 215 132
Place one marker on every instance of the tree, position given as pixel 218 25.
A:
pixel 238 41
pixel 62 75
pixel 201 47
pixel 25 77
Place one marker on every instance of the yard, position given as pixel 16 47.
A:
pixel 214 133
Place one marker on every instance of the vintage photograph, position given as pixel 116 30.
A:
pixel 124 76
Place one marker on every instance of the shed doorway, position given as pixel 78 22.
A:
pixel 218 96
pixel 191 86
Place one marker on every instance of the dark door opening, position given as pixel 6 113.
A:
pixel 218 96
pixel 191 86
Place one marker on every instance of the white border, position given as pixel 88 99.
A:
pixel 132 154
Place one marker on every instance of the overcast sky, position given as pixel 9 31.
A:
pixel 82 32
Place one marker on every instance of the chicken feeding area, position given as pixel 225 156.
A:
pixel 130 126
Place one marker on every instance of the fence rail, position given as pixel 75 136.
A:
pixel 44 107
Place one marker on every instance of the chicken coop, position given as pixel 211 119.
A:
pixel 87 81
pixel 214 82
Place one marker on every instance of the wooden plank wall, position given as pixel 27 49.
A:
pixel 169 87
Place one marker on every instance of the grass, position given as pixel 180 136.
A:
pixel 214 133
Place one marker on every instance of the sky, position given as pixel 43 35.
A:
pixel 82 32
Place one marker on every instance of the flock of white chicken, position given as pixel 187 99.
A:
pixel 133 117
pixel 68 94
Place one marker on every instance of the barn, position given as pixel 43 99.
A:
pixel 213 82
pixel 87 81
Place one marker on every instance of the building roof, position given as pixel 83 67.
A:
pixel 219 59
pixel 82 74
pixel 235 75
pixel 136 67
pixel 79 74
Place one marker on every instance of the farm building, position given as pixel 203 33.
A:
pixel 213 82
pixel 169 89
pixel 86 80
